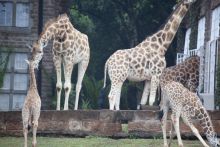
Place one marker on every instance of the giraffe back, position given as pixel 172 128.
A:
pixel 187 73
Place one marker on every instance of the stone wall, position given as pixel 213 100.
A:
pixel 116 124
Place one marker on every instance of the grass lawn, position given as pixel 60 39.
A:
pixel 90 142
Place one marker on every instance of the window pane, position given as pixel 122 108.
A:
pixel 22 15
pixel 187 41
pixel 4 102
pixel 6 82
pixel 20 81
pixel 18 101
pixel 5 14
pixel 215 23
pixel 20 63
pixel 201 33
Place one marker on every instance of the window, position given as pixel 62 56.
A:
pixel 201 33
pixel 187 41
pixel 15 83
pixel 6 12
pixel 14 13
pixel 215 23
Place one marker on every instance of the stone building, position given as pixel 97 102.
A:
pixel 21 22
pixel 202 37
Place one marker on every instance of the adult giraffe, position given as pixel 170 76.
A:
pixel 70 47
pixel 146 61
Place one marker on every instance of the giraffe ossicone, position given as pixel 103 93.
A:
pixel 70 47
pixel 144 62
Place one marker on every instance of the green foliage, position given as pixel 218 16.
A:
pixel 86 104
pixel 4 59
pixel 218 86
pixel 90 91
pixel 194 14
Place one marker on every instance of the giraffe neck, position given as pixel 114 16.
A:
pixel 166 35
pixel 47 34
pixel 206 124
pixel 32 76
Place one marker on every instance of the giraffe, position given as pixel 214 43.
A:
pixel 144 62
pixel 186 104
pixel 70 47
pixel 32 103
pixel 186 73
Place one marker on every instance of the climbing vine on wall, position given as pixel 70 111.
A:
pixel 218 86
pixel 193 16
pixel 4 59
pixel 180 38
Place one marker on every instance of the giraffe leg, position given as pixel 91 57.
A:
pixel 117 96
pixel 153 89
pixel 112 96
pixel 35 125
pixel 81 72
pixel 194 130
pixel 57 64
pixel 25 132
pixel 171 134
pixel 68 67
pixel 175 120
pixel 25 116
pixel 145 94
pixel 36 115
pixel 164 124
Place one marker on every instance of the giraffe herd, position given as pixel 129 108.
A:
pixel 144 62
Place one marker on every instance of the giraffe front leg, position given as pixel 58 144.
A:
pixel 25 132
pixel 57 63
pixel 35 125
pixel 192 127
pixel 81 72
pixel 145 94
pixel 153 89
pixel 25 116
pixel 68 67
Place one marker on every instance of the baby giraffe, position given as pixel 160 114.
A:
pixel 187 105
pixel 32 104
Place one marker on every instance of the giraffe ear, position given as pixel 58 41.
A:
pixel 30 47
pixel 27 62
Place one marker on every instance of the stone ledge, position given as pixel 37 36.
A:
pixel 142 123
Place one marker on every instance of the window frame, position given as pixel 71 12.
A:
pixel 13 27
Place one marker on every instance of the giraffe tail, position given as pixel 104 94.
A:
pixel 105 72
pixel 207 126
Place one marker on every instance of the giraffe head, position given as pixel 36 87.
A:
pixel 37 54
pixel 213 140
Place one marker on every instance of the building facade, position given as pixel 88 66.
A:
pixel 207 40
pixel 21 22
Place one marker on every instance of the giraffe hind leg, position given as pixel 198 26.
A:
pixel 81 72
pixel 175 120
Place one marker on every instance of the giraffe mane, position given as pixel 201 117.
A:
pixel 52 20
